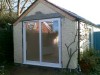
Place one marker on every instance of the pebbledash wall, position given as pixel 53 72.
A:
pixel 86 35
pixel 68 31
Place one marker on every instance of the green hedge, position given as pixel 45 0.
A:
pixel 6 44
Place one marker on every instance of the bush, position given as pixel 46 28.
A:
pixel 6 45
pixel 89 60
pixel 6 36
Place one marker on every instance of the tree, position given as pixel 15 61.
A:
pixel 6 13
pixel 6 6
pixel 11 9
pixel 18 6
pixel 22 5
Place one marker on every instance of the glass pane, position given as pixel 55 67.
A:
pixel 32 41
pixel 50 42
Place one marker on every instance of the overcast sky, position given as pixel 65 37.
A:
pixel 89 9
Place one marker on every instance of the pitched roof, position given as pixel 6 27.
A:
pixel 60 10
pixel 72 14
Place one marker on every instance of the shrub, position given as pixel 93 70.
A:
pixel 89 60
pixel 6 45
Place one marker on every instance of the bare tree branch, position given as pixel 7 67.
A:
pixel 73 40
pixel 18 8
pixel 9 5
pixel 70 57
pixel 69 50
pixel 23 6
pixel 67 46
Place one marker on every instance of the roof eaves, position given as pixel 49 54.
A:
pixel 21 16
pixel 62 9
pixel 72 14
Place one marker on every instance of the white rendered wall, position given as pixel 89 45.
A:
pixel 17 34
pixel 69 29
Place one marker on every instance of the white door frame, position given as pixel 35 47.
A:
pixel 40 63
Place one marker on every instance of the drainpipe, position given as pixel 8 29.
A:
pixel 78 43
pixel 22 44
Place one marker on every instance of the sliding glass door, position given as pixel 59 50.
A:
pixel 31 41
pixel 42 42
pixel 50 39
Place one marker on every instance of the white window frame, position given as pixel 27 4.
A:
pixel 41 63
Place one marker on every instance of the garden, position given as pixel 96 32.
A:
pixel 89 62
pixel 89 65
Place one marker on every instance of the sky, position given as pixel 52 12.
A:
pixel 88 9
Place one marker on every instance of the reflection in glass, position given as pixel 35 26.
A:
pixel 50 41
pixel 32 41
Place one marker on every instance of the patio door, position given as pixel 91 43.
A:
pixel 41 42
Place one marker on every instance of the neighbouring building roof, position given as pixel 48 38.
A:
pixel 98 25
pixel 22 17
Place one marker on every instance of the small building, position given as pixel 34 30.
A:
pixel 43 31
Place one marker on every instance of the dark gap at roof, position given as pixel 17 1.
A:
pixel 39 15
